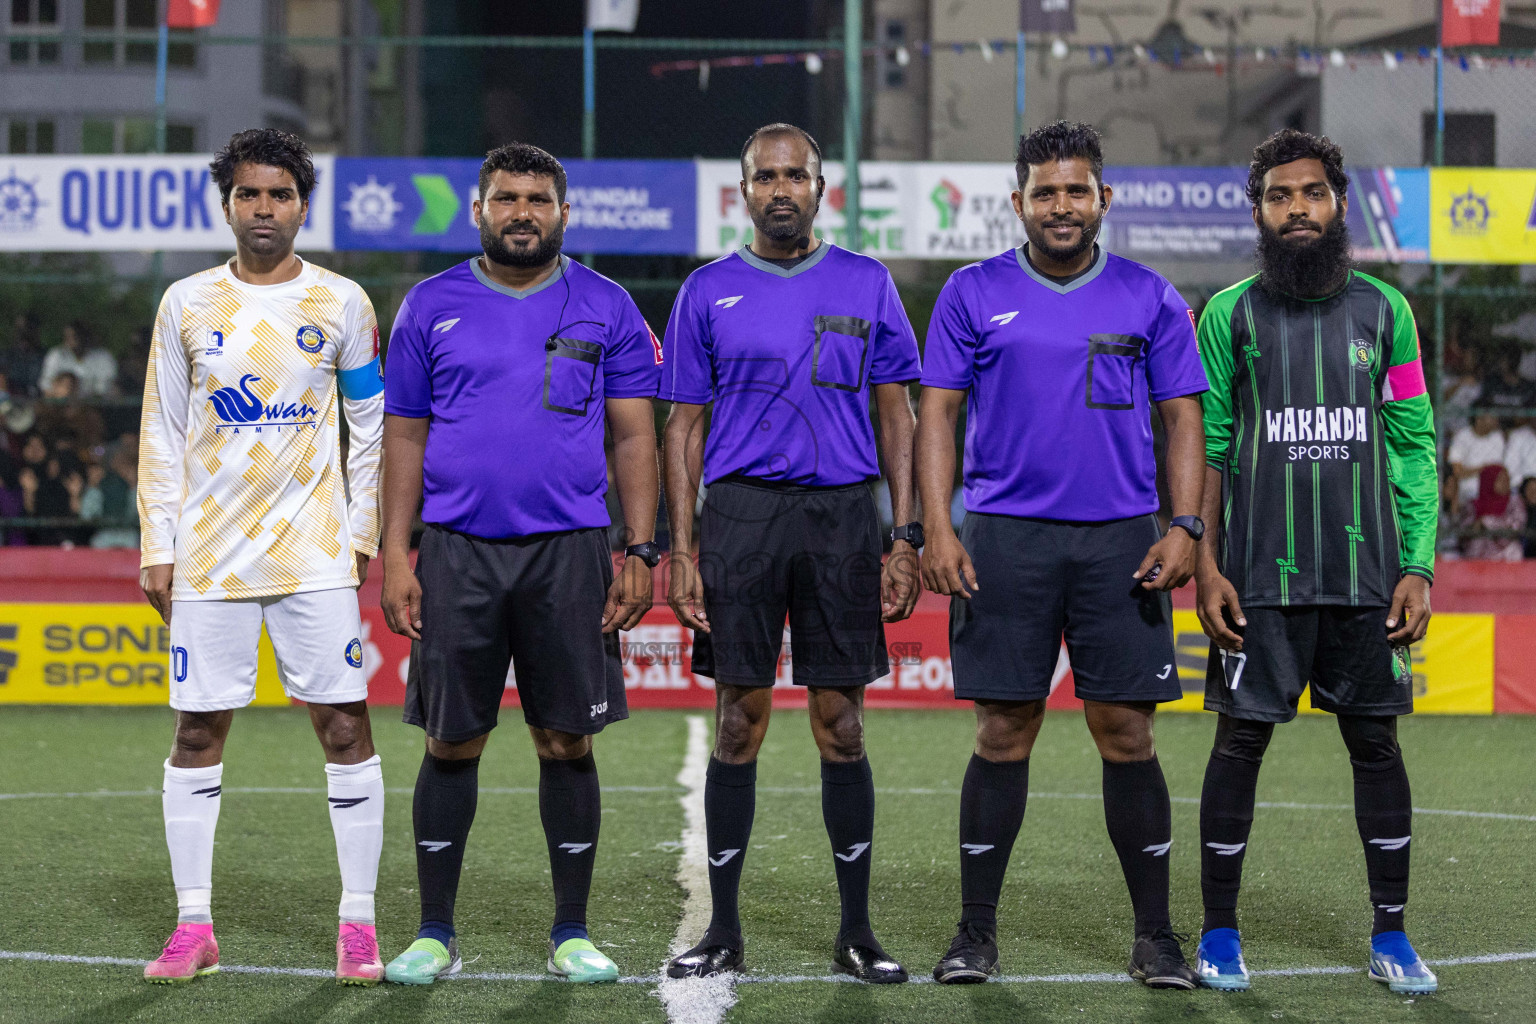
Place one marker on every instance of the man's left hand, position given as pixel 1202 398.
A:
pixel 899 583
pixel 629 596
pixel 1176 554
pixel 1409 616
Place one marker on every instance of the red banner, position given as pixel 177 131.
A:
pixel 1469 23
pixel 192 13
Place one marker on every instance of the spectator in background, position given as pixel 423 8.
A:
pixel 21 358
pixel 93 366
pixel 1528 498
pixel 51 487
pixel 63 420
pixel 130 370
pixel 1463 387
pixel 1494 524
pixel 1520 451
pixel 1478 444
pixel 1504 390
pixel 111 493
pixel 10 494
pixel 1448 535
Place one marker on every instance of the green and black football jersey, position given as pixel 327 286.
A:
pixel 1320 423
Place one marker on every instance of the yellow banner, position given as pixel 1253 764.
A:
pixel 1480 215
pixel 98 654
pixel 1452 666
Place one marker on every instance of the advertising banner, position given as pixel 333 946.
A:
pixel 116 203
pixel 617 206
pixel 121 654
pixel 99 654
pixel 1389 214
pixel 1482 215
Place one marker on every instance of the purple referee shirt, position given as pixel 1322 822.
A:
pixel 788 357
pixel 514 383
pixel 1060 376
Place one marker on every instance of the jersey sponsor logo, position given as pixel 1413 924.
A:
pixel 1158 849
pixel 598 709
pixel 575 847
pixel 1391 844
pixel 1004 318
pixel 975 849
pixel 655 344
pixel 1319 426
pixel 310 338
pixel 237 406
pixel 729 301
pixel 445 326
pixel 376 347
pixel 1192 321
pixel 1227 849
pixel 434 847
pixel 1166 668
pixel 355 653
pixel 213 342
pixel 853 853
pixel 723 857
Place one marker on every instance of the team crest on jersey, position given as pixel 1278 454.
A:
pixel 310 338
pixel 1361 352
pixel 213 342
pixel 355 653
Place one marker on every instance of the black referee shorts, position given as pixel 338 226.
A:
pixel 534 602
pixel 813 553
pixel 1040 579
pixel 1341 650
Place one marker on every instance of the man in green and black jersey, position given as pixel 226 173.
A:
pixel 1320 471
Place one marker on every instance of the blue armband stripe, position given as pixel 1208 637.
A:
pixel 361 381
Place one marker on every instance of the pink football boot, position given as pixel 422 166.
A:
pixel 191 951
pixel 357 955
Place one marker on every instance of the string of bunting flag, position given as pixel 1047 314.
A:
pixel 1208 58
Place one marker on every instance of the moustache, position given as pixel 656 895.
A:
pixel 528 226
pixel 1301 225
pixel 1071 222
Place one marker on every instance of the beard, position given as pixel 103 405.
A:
pixel 790 230
pixel 1038 242
pixel 498 251
pixel 1304 270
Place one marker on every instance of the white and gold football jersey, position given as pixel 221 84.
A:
pixel 240 468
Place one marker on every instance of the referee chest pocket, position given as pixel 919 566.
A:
pixel 842 344
pixel 1111 370
pixel 570 374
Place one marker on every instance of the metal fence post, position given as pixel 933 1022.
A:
pixel 853 117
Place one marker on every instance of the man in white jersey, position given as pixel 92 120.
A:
pixel 246 520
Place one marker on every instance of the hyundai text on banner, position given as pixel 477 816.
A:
pixel 617 206
pixel 116 203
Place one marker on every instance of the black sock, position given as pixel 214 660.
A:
pixel 443 810
pixel 848 808
pixel 1384 815
pixel 570 808
pixel 730 800
pixel 991 810
pixel 1226 816
pixel 1140 822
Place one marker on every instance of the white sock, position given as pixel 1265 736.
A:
pixel 190 800
pixel 356 795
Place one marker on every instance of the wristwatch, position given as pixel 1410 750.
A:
pixel 1193 525
pixel 912 533
pixel 650 551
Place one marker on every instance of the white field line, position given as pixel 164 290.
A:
pixel 800 790
pixel 695 1000
pixel 759 979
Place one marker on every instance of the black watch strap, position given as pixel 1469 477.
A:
pixel 912 533
pixel 1193 525
pixel 650 552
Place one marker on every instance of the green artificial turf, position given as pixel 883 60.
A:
pixel 89 876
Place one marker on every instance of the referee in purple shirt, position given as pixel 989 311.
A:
pixel 1058 349
pixel 502 373
pixel 788 337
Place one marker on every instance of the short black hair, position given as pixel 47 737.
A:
pixel 521 158
pixel 1288 145
pixel 1059 140
pixel 780 128
pixel 269 147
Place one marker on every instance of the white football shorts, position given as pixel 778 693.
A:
pixel 316 637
